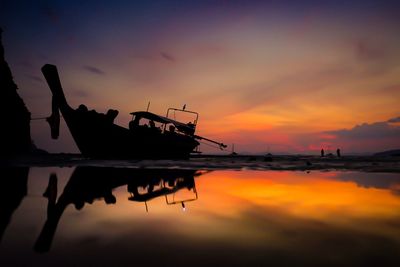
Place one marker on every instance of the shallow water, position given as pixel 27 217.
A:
pixel 101 216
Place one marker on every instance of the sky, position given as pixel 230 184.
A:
pixel 267 76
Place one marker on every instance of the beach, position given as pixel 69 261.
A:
pixel 240 211
pixel 220 162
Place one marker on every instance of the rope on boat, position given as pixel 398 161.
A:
pixel 40 118
pixel 213 146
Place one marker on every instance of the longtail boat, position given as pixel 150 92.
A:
pixel 149 136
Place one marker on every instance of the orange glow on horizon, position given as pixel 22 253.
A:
pixel 306 195
pixel 258 206
pixel 316 196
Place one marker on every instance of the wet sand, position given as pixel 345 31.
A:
pixel 217 162
pixel 232 215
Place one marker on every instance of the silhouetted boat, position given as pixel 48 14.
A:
pixel 88 184
pixel 97 136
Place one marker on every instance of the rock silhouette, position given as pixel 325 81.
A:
pixel 15 137
pixel 13 189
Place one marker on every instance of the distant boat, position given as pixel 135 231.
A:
pixel 97 136
pixel 233 153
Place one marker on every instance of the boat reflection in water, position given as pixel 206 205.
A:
pixel 88 184
pixel 241 218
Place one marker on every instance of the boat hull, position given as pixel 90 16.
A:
pixel 96 137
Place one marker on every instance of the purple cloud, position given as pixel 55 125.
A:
pixel 363 138
pixel 394 120
pixel 94 70
pixel 80 93
pixel 373 130
pixel 167 56
pixel 51 13
pixel 35 78
pixel 366 51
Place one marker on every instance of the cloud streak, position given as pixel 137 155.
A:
pixel 167 57
pixel 35 78
pixel 394 120
pixel 94 70
pixel 373 130
pixel 366 51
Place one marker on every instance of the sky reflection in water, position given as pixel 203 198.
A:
pixel 240 217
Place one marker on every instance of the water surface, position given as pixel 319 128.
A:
pixel 101 216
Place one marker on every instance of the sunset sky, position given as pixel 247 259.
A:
pixel 268 76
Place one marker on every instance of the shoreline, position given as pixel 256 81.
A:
pixel 220 162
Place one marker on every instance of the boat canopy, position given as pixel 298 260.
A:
pixel 187 128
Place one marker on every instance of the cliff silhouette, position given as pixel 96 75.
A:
pixel 15 136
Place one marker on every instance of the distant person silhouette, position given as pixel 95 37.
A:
pixel 338 152
pixel 322 153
